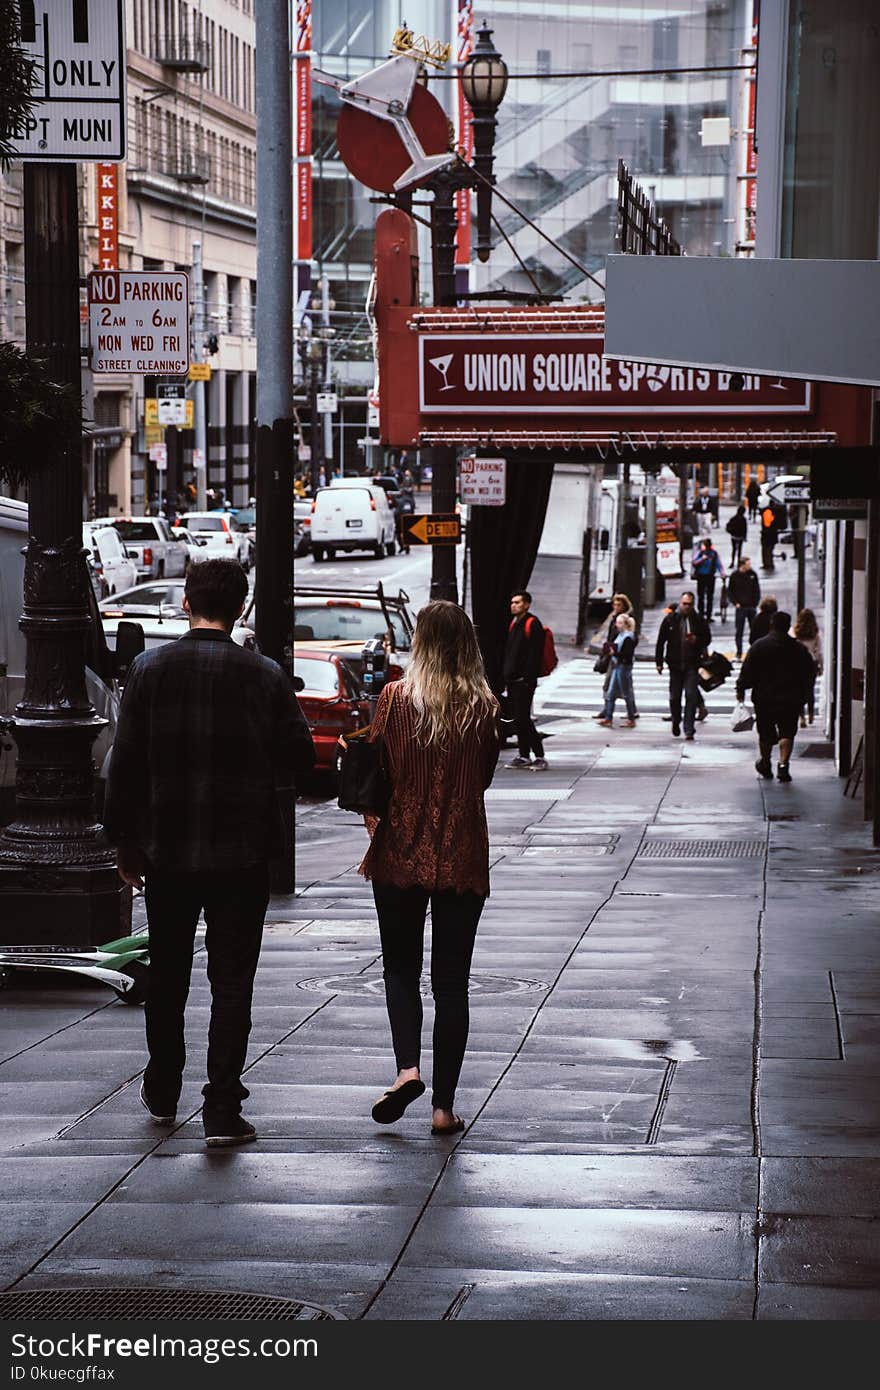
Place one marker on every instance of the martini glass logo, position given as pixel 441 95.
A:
pixel 443 364
pixel 657 377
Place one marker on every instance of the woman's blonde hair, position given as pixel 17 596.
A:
pixel 626 621
pixel 445 678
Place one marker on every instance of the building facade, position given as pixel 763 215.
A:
pixel 189 178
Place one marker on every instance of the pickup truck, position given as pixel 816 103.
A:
pixel 149 540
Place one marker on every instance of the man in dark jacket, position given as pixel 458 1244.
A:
pixel 769 535
pixel 681 641
pixel 208 733
pixel 522 665
pixel 779 672
pixel 744 593
pixel 753 492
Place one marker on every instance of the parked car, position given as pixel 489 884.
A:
pixel 390 484
pixel 352 515
pixel 196 546
pixel 218 533
pixel 100 684
pixel 159 610
pixel 150 541
pixel 110 565
pixel 331 699
pixel 348 618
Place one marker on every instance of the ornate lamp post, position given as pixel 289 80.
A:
pixel 484 79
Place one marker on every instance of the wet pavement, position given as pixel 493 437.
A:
pixel 671 1085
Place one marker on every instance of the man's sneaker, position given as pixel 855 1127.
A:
pixel 159 1114
pixel 782 772
pixel 702 712
pixel 520 762
pixel 676 730
pixel 763 768
pixel 539 765
pixel 689 737
pixel 628 724
pixel 225 1131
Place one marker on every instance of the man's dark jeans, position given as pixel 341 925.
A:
pixel 454 919
pixel 705 594
pixel 743 615
pixel 520 696
pixel 235 906
pixel 684 682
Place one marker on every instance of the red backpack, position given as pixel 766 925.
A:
pixel 549 659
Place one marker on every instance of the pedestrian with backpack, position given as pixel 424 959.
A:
pixel 524 662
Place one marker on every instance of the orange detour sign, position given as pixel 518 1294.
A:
pixel 433 529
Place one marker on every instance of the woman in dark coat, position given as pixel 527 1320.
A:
pixel 440 728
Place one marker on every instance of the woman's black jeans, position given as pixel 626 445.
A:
pixel 454 918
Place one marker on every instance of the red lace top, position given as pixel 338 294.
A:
pixel 434 833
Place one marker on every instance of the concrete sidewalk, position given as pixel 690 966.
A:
pixel 671 1087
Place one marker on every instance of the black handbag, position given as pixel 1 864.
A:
pixel 713 670
pixel 363 783
pixel 602 663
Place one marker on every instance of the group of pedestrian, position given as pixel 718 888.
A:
pixel 208 735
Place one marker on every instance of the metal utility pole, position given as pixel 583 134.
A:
pixel 58 879
pixel 444 579
pixel 275 428
pixel 650 550
pixel 201 425
pixel 328 383
pixel 274 582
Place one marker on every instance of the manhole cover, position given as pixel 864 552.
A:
pixel 184 1305
pixel 701 849
pixel 375 985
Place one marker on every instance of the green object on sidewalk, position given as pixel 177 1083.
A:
pixel 123 964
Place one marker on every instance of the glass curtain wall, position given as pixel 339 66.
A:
pixel 603 84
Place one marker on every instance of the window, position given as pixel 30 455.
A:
pixel 542 60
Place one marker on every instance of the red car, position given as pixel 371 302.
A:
pixel 331 699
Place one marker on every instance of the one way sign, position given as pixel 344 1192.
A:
pixel 79 80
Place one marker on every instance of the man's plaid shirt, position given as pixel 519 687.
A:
pixel 207 733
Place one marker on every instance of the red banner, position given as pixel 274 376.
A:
pixel 303 118
pixel 465 135
pixel 108 216
pixel 567 374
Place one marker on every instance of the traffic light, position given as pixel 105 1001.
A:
pixel 212 343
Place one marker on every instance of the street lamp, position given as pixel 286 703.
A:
pixel 484 81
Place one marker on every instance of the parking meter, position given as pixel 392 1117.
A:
pixel 375 667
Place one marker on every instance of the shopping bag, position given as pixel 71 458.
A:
pixel 742 718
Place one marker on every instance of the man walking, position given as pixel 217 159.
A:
pixel 207 732
pixel 753 492
pixel 769 536
pixel 703 512
pixel 683 638
pixel 705 564
pixel 522 665
pixel 744 593
pixel 779 672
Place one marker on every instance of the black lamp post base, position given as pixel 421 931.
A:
pixel 80 905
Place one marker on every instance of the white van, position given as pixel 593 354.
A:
pixel 352 515
pixel 112 568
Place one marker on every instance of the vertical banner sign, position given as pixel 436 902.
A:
pixel 749 193
pixel 465 42
pixel 108 216
pixel 303 249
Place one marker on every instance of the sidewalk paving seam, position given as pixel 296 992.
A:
pixel 491 1092
pixel 57 1032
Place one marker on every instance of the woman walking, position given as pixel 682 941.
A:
pixel 806 631
pixel 623 655
pixel 604 637
pixel 440 730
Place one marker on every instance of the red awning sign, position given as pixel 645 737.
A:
pixel 505 374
